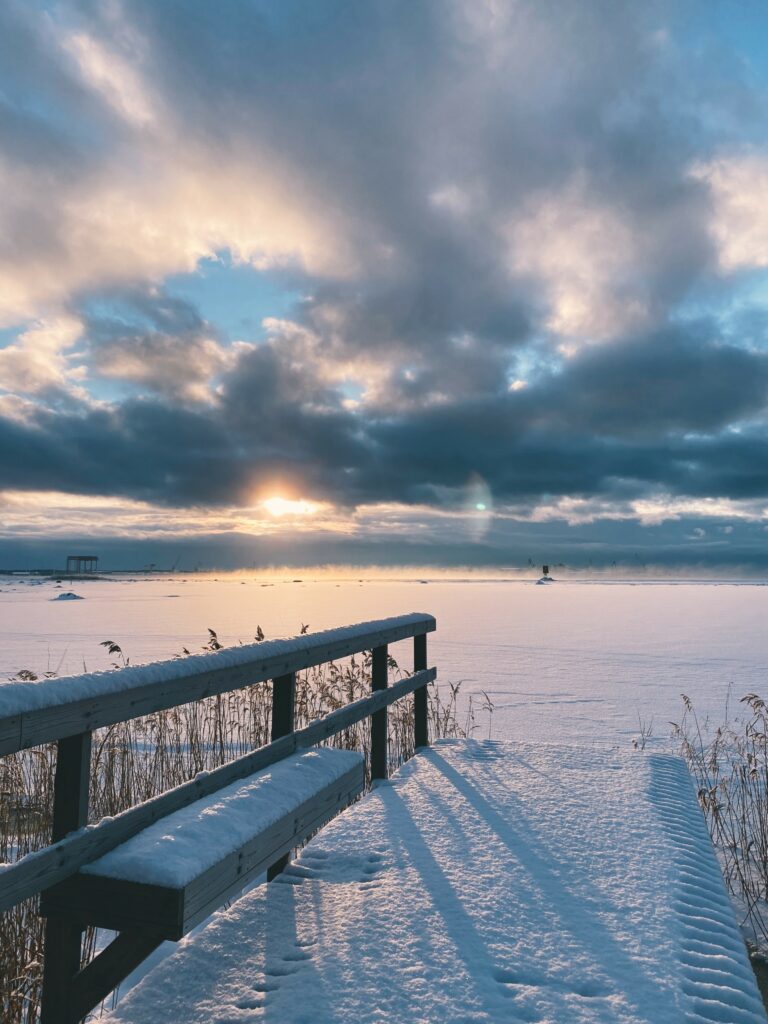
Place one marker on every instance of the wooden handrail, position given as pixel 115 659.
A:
pixel 68 710
pixel 44 868
pixel 131 692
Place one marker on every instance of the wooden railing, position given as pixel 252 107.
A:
pixel 66 712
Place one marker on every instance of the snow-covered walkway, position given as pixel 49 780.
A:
pixel 485 882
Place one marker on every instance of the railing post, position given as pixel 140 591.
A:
pixel 283 722
pixel 283 705
pixel 63 940
pixel 420 715
pixel 379 718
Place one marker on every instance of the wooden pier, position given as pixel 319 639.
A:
pixel 67 712
pixel 484 881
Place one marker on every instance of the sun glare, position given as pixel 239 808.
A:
pixel 285 507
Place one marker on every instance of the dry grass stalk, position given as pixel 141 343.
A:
pixel 133 761
pixel 730 767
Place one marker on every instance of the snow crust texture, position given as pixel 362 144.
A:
pixel 180 846
pixel 486 882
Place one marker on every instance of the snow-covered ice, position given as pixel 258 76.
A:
pixel 486 882
pixel 575 662
pixel 179 847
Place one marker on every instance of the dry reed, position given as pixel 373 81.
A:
pixel 134 761
pixel 730 767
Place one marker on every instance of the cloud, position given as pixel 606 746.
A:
pixel 142 195
pixel 739 220
pixel 586 257
pixel 617 430
pixel 39 361
pixel 160 344
pixel 501 218
pixel 679 380
pixel 111 75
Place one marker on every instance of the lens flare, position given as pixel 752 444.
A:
pixel 478 502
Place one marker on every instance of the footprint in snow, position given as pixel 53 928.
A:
pixel 587 988
pixel 250 1003
pixel 297 956
pixel 282 970
pixel 265 986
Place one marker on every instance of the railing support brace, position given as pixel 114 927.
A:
pixel 67 989
pixel 283 723
pixel 63 940
pixel 379 751
pixel 420 715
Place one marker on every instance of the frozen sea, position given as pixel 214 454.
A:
pixel 577 661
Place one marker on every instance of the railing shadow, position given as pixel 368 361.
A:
pixel 546 874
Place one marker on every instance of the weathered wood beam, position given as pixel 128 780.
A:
pixel 283 705
pixel 283 721
pixel 57 721
pixel 420 708
pixel 40 870
pixel 105 972
pixel 64 939
pixel 379 744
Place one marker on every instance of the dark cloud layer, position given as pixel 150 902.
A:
pixel 650 413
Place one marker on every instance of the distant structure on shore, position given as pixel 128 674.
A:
pixel 546 578
pixel 79 565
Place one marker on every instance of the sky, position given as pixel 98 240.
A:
pixel 384 282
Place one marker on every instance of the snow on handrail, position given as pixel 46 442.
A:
pixel 42 711
pixel 46 867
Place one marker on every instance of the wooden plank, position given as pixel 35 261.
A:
pixel 210 890
pixel 420 708
pixel 64 939
pixel 70 784
pixel 10 734
pixel 115 903
pixel 379 751
pixel 121 904
pixel 45 868
pixel 105 972
pixel 43 725
pixel 339 720
pixel 283 722
pixel 283 701
pixel 61 962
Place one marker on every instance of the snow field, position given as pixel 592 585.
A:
pixel 574 662
pixel 485 882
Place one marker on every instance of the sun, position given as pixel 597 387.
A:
pixel 277 506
